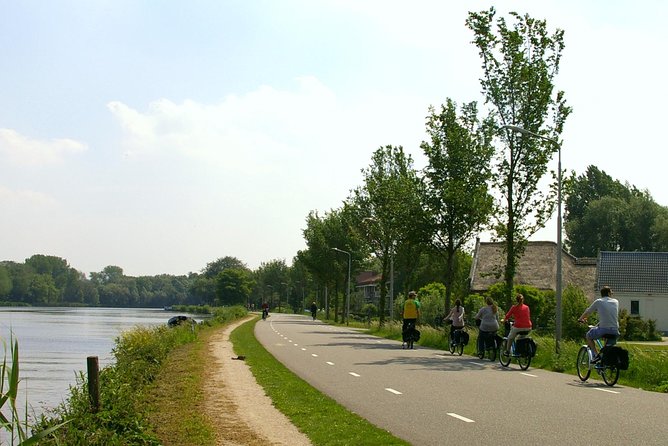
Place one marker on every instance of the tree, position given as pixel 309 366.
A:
pixel 457 201
pixel 519 66
pixel 387 208
pixel 233 286
pixel 214 268
pixel 5 282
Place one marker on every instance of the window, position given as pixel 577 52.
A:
pixel 635 307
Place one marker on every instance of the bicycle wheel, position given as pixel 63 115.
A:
pixel 460 348
pixel 504 360
pixel 610 374
pixel 582 364
pixel 524 361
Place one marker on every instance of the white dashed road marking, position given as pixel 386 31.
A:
pixel 330 363
pixel 606 390
pixel 396 392
pixel 529 374
pixel 459 417
pixel 314 355
pixel 354 374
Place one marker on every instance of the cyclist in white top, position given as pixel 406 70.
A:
pixel 608 318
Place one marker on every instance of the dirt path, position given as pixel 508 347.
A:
pixel 237 404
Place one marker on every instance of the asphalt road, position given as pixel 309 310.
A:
pixel 430 397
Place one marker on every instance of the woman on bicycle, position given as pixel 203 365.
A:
pixel 522 315
pixel 456 315
pixel 489 322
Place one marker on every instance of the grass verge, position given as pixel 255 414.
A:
pixel 323 420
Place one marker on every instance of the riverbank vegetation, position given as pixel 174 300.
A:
pixel 124 416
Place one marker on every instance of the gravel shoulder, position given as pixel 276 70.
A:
pixel 238 406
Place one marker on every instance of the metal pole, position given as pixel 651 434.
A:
pixel 348 291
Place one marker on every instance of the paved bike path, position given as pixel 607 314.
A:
pixel 430 397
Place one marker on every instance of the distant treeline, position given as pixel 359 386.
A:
pixel 49 281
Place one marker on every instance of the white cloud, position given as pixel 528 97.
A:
pixel 21 149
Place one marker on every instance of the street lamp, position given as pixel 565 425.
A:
pixel 271 295
pixel 559 244
pixel 348 287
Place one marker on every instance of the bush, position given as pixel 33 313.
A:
pixel 635 328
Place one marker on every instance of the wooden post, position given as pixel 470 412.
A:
pixel 93 383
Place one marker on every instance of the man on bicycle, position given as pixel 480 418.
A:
pixel 608 315
pixel 411 313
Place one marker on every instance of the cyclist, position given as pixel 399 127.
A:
pixel 456 315
pixel 411 313
pixel 314 310
pixel 608 315
pixel 522 315
pixel 489 323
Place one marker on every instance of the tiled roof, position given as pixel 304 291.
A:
pixel 641 272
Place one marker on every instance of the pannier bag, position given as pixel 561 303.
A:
pixel 615 356
pixel 464 337
pixel 525 346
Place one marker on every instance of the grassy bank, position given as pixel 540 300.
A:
pixel 320 417
pixel 131 398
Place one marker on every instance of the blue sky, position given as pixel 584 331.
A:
pixel 160 135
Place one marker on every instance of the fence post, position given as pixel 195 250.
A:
pixel 93 383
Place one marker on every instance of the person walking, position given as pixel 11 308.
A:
pixel 314 310
pixel 456 315
pixel 608 314
pixel 522 315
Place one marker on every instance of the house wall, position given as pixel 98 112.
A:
pixel 654 306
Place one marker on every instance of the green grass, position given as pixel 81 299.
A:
pixel 321 418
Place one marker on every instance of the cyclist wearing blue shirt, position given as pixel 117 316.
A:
pixel 608 315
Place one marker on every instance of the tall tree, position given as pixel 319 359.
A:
pixel 387 208
pixel 233 286
pixel 519 66
pixel 457 200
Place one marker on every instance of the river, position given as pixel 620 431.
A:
pixel 55 342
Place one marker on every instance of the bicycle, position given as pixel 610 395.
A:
pixel 523 355
pixel 265 314
pixel 584 364
pixel 410 336
pixel 487 345
pixel 458 347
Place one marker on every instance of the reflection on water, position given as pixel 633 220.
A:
pixel 55 342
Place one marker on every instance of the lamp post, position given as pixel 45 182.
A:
pixel 348 287
pixel 559 243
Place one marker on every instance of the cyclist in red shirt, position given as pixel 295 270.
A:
pixel 522 316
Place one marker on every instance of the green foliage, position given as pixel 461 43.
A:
pixel 386 210
pixel 122 418
pixel 233 286
pixel 432 300
pixel 370 310
pixel 456 198
pixel 519 65
pixel 603 214
pixel 635 328
pixel 573 303
pixel 18 429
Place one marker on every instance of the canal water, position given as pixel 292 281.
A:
pixel 55 342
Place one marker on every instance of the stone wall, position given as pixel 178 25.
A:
pixel 537 267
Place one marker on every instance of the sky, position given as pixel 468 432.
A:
pixel 159 136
